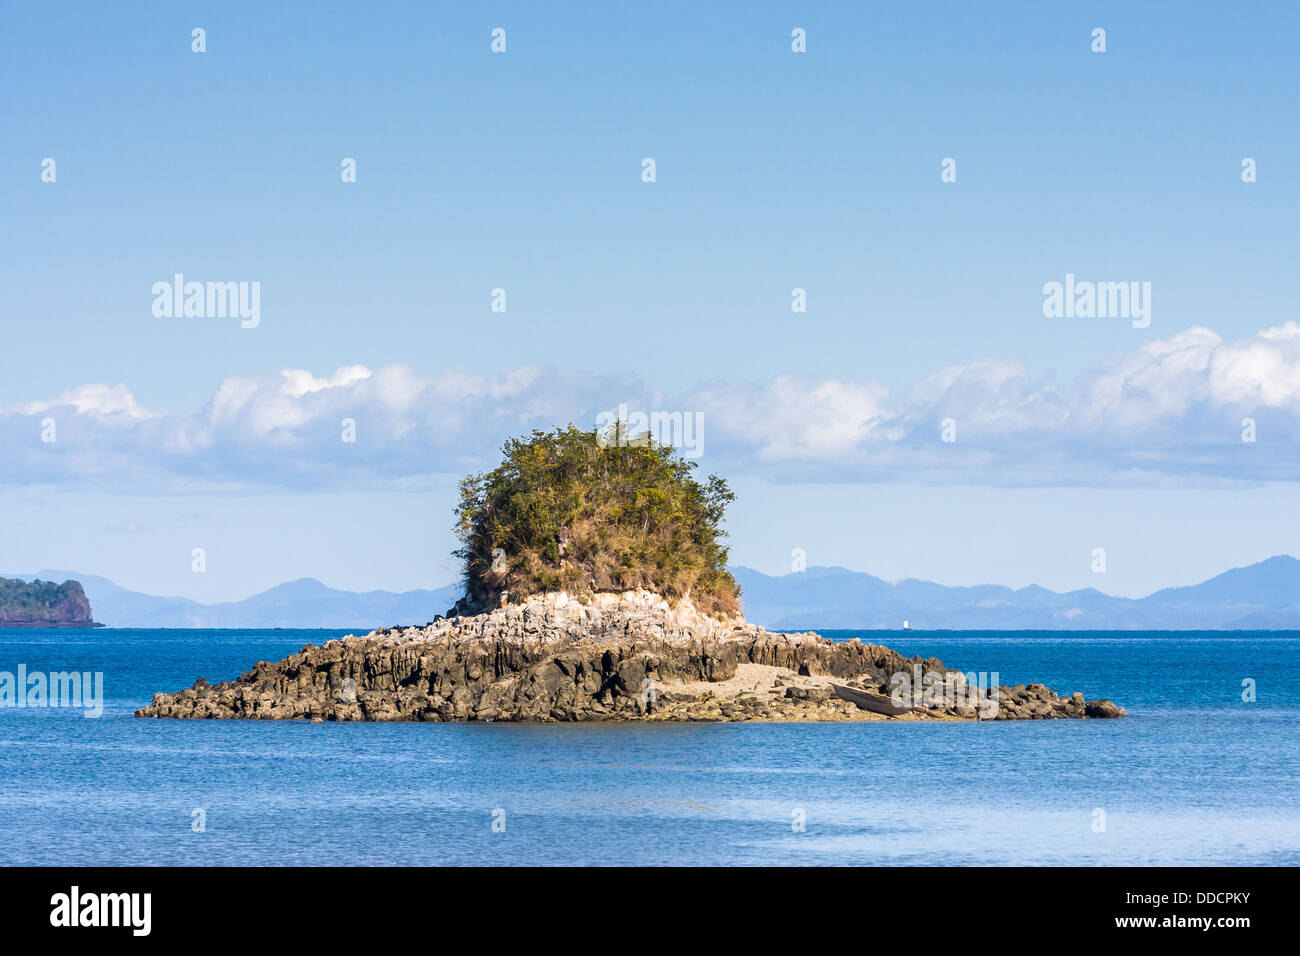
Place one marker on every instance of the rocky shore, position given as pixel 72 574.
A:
pixel 628 656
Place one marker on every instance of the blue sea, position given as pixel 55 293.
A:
pixel 1195 775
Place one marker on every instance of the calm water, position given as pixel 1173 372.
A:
pixel 1195 775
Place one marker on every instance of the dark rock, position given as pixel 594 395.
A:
pixel 541 660
pixel 1104 708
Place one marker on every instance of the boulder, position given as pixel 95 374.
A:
pixel 1104 708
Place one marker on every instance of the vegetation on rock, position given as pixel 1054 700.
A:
pixel 587 512
pixel 43 604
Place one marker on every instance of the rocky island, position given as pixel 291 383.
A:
pixel 622 610
pixel 43 604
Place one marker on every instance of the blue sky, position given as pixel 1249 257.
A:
pixel 775 170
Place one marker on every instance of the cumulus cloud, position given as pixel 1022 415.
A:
pixel 1170 411
pixel 289 429
pixel 789 419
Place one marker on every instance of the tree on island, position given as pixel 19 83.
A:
pixel 586 512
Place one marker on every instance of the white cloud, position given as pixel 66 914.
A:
pixel 787 418
pixel 298 382
pixel 101 402
pixel 1167 412
pixel 1261 371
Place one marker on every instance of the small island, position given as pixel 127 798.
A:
pixel 596 589
pixel 44 604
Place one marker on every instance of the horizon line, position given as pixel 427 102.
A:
pixel 76 576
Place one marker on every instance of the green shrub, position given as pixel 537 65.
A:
pixel 565 511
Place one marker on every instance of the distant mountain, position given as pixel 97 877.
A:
pixel 1259 597
pixel 302 603
pixel 1262 596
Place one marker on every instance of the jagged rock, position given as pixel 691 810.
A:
pixel 631 656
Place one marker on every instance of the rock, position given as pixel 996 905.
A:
pixel 1104 708
pixel 547 659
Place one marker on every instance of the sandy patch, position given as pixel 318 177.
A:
pixel 749 677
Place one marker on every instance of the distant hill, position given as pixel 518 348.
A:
pixel 1259 597
pixel 1262 596
pixel 41 603
pixel 302 603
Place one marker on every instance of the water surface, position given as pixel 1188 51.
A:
pixel 1195 775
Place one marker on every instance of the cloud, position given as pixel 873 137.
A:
pixel 288 429
pixel 299 383
pixel 100 402
pixel 1169 412
pixel 788 419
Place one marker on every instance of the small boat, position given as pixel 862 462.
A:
pixel 876 703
